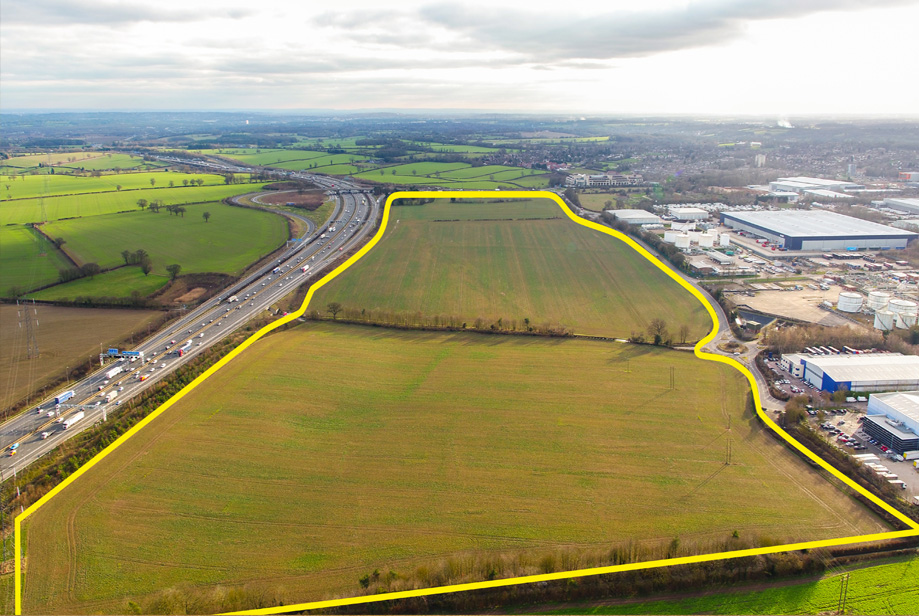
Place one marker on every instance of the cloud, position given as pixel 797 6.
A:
pixel 90 12
pixel 559 35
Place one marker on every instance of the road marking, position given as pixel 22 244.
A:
pixel 530 579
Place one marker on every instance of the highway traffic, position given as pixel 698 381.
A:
pixel 28 436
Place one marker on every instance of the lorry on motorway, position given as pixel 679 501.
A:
pixel 233 298
pixel 113 372
pixel 61 398
pixel 304 268
pixel 276 270
pixel 184 348
pixel 111 396
pixel 73 419
pixel 323 236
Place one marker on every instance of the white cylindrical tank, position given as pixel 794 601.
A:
pixel 706 240
pixel 670 236
pixel 884 320
pixel 682 240
pixel 725 240
pixel 694 236
pixel 905 321
pixel 877 300
pixel 903 306
pixel 849 301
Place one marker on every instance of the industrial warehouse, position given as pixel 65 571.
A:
pixel 817 230
pixel 893 420
pixel 863 372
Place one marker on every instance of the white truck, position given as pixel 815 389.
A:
pixel 232 299
pixel 111 396
pixel 114 371
pixel 73 419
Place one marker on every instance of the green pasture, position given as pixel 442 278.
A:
pixel 544 270
pixel 483 172
pixel 29 186
pixel 228 242
pixel 27 260
pixel 122 282
pixel 315 163
pixel 94 204
pixel 888 589
pixel 329 451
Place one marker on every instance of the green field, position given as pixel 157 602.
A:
pixel 121 282
pixel 66 161
pixel 227 243
pixel 29 186
pixel 329 451
pixel 889 589
pixel 543 270
pixel 27 260
pixel 93 204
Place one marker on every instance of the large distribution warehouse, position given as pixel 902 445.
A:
pixel 893 419
pixel 866 372
pixel 817 230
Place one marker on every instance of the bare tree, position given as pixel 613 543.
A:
pixel 334 308
pixel 684 333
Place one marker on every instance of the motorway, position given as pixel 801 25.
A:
pixel 33 433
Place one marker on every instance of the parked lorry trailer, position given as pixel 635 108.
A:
pixel 64 397
pixel 73 419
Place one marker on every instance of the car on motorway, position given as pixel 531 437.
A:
pixel 50 413
pixel 14 446
pixel 45 435
pixel 201 335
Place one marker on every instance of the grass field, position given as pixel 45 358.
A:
pixel 27 260
pixel 544 270
pixel 78 159
pixel 888 589
pixel 122 282
pixel 229 241
pixel 93 204
pixel 29 186
pixel 329 451
pixel 65 336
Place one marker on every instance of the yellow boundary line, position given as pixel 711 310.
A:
pixel 914 526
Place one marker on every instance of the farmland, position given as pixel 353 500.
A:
pixel 227 242
pixel 888 589
pixel 65 336
pixel 27 260
pixel 93 204
pixel 122 282
pixel 75 161
pixel 543 270
pixel 30 186
pixel 457 175
pixel 442 449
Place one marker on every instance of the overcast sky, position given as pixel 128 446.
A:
pixel 772 57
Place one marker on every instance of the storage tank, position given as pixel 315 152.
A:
pixel 670 236
pixel 884 320
pixel 725 240
pixel 849 302
pixel 877 300
pixel 694 236
pixel 905 321
pixel 903 306
pixel 682 240
pixel 706 240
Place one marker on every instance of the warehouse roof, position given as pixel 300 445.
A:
pixel 905 402
pixel 635 214
pixel 809 223
pixel 864 367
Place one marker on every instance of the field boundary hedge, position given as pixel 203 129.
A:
pixel 911 526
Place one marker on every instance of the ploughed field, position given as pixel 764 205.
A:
pixel 512 261
pixel 65 337
pixel 330 451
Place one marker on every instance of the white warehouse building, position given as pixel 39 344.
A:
pixel 893 419
pixel 863 372
pixel 689 213
pixel 637 217
pixel 817 230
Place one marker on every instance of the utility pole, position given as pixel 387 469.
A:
pixel 843 594
pixel 25 322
